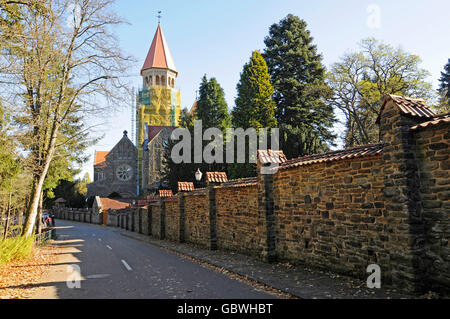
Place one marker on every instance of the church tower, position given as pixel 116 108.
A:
pixel 158 102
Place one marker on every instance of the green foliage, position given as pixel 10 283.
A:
pixel 298 77
pixel 254 104
pixel 361 79
pixel 444 90
pixel 184 172
pixel 254 107
pixel 71 191
pixel 69 157
pixel 212 108
pixel 10 167
pixel 16 248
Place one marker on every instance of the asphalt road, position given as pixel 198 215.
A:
pixel 98 262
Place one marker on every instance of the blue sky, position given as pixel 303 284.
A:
pixel 217 37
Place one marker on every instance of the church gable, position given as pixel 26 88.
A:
pixel 116 173
pixel 123 150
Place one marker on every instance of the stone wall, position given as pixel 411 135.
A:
pixel 172 222
pixel 433 153
pixel 156 210
pixel 144 221
pixel 331 215
pixel 238 220
pixel 197 219
pixel 389 209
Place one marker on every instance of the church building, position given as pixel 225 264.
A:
pixel 130 170
pixel 115 171
pixel 159 106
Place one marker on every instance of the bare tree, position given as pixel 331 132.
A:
pixel 361 79
pixel 62 61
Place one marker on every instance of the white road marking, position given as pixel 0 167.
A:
pixel 109 247
pixel 99 239
pixel 126 265
pixel 100 276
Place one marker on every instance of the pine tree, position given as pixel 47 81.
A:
pixel 298 77
pixel 445 81
pixel 254 104
pixel 212 108
pixel 444 89
pixel 254 107
pixel 184 172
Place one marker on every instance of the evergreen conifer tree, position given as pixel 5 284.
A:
pixel 298 77
pixel 254 107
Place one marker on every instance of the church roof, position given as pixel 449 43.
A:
pixel 114 204
pixel 153 131
pixel 193 108
pixel 159 55
pixel 100 158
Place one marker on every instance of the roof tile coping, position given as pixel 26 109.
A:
pixel 197 191
pixel 408 106
pixel 241 182
pixel 349 153
pixel 185 186
pixel 271 157
pixel 165 193
pixel 438 119
pixel 170 199
pixel 216 177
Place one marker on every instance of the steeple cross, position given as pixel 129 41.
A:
pixel 159 16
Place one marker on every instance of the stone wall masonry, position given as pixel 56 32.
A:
pixel 406 233
pixel 238 222
pixel 331 215
pixel 172 223
pixel 433 154
pixel 391 210
pixel 144 221
pixel 112 219
pixel 156 219
pixel 197 227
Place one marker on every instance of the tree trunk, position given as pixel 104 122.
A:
pixel 8 217
pixel 38 182
pixel 39 214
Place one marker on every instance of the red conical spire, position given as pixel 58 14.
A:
pixel 159 54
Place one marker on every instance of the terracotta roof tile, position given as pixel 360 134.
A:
pixel 159 55
pixel 350 153
pixel 241 182
pixel 165 193
pixel 100 159
pixel 216 177
pixel 185 186
pixel 153 131
pixel 408 106
pixel 271 157
pixel 114 204
pixel 152 198
pixel 193 108
pixel 438 119
pixel 198 191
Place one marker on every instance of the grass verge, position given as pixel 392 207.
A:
pixel 16 248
